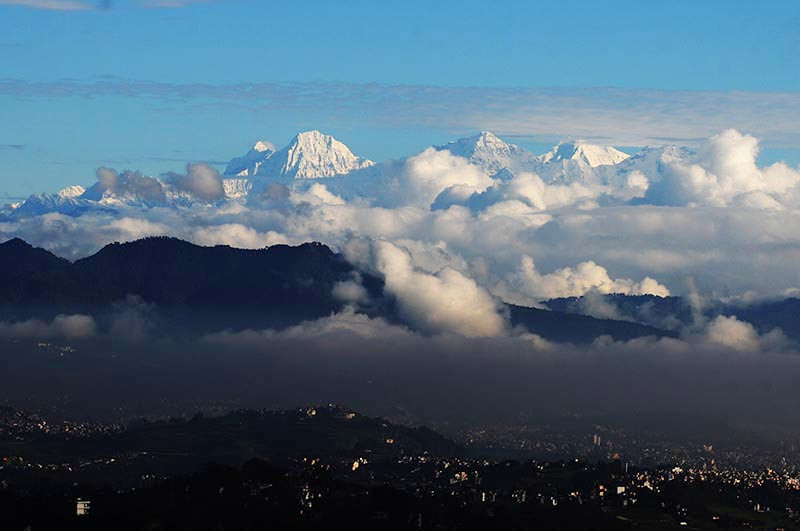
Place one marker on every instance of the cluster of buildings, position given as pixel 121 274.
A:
pixel 20 426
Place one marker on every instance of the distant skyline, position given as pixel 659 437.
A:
pixel 151 85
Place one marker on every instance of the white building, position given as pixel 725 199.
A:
pixel 82 507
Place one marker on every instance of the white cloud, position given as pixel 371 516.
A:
pixel 200 180
pixel 345 323
pixel 351 291
pixel 317 194
pixel 426 175
pixel 530 188
pixel 723 171
pixel 137 228
pixel 236 235
pixel 447 301
pixel 575 282
pixel 732 333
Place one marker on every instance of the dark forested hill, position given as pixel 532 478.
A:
pixel 238 288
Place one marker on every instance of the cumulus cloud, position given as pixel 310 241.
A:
pixel 730 332
pixel 317 194
pixel 525 195
pixel 426 175
pixel 107 178
pixel 446 301
pixel 74 326
pixel 351 291
pixel 111 186
pixel 575 282
pixel 530 188
pixel 347 323
pixel 200 180
pixel 236 235
pixel 723 171
pixel 137 228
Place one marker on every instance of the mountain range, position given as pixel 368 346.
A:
pixel 313 156
pixel 673 313
pixel 195 287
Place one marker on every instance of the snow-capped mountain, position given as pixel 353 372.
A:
pixel 66 201
pixel 579 162
pixel 313 155
pixel 71 192
pixel 591 154
pixel 652 160
pixel 310 155
pixel 645 167
pixel 491 154
pixel 132 191
pixel 566 163
pixel 250 163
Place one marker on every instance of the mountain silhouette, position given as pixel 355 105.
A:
pixel 195 286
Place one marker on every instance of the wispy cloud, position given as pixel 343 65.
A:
pixel 82 5
pixel 52 5
pixel 611 115
pixel 16 147
pixel 171 3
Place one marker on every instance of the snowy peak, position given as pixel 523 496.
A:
pixel 313 155
pixel 651 158
pixel 250 163
pixel 310 155
pixel 71 192
pixel 485 141
pixel 591 154
pixel 490 153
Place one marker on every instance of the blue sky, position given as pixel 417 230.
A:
pixel 146 87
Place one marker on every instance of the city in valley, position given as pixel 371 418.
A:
pixel 328 465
